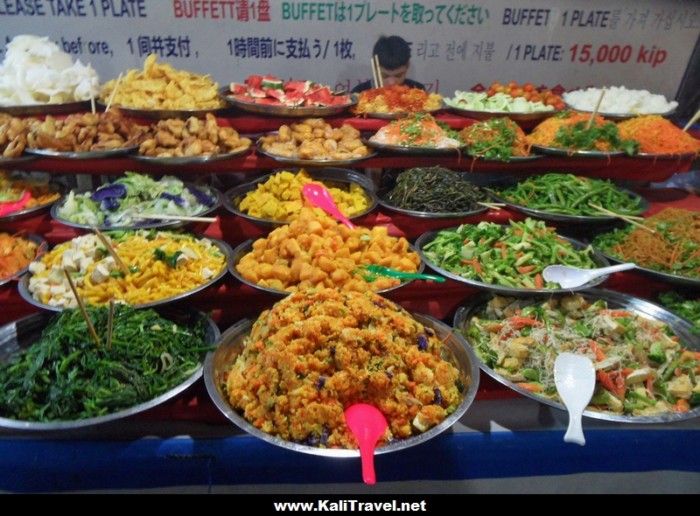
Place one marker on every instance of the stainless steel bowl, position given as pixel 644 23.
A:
pixel 241 250
pixel 36 210
pixel 381 200
pixel 674 279
pixel 19 160
pixel 399 114
pixel 329 176
pixel 23 333
pixel 189 160
pixel 23 284
pixel 597 258
pixel 416 151
pixel 516 117
pixel 164 114
pixel 47 109
pixel 42 246
pixel 289 111
pixel 155 224
pixel 231 345
pixel 567 153
pixel 78 155
pixel 311 162
pixel 619 116
pixel 680 327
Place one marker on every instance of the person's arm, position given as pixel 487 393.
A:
pixel 362 87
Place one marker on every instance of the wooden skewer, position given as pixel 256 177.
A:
pixel 122 266
pixel 628 219
pixel 176 217
pixel 92 103
pixel 492 205
pixel 375 71
pixel 692 120
pixel 597 107
pixel 110 323
pixel 114 92
pixel 81 306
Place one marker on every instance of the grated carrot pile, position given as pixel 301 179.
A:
pixel 656 135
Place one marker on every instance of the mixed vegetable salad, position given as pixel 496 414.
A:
pixel 641 367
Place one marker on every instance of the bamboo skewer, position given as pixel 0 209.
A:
pixel 375 79
pixel 377 72
pixel 110 323
pixel 177 217
pixel 629 219
pixel 597 107
pixel 92 103
pixel 492 205
pixel 695 118
pixel 122 266
pixel 114 92
pixel 81 306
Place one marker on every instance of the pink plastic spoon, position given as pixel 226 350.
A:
pixel 367 424
pixel 319 196
pixel 10 207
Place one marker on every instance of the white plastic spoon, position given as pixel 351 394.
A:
pixel 572 277
pixel 574 377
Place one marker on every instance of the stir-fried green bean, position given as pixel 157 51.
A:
pixel 568 194
pixel 434 190
pixel 512 255
pixel 64 376
pixel 689 309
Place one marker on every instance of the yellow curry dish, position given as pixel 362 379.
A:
pixel 316 251
pixel 159 265
pixel 317 352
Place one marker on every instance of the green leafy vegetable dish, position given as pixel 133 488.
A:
pixel 567 194
pixel 641 367
pixel 435 190
pixel 512 255
pixel 65 376
pixel 689 309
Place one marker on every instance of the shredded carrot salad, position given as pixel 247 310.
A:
pixel 545 133
pixel 656 135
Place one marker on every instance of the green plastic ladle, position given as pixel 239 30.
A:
pixel 379 270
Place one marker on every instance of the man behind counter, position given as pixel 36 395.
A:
pixel 394 55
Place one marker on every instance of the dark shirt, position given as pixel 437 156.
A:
pixel 367 85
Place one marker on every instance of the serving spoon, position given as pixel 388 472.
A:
pixel 367 424
pixel 574 377
pixel 319 196
pixel 571 277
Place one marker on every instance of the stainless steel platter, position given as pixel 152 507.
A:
pixel 329 176
pixel 47 109
pixel 312 162
pixel 23 285
pixel 19 160
pixel 515 116
pixel 615 300
pixel 23 333
pixel 400 114
pixel 147 224
pixel 566 153
pixel 512 159
pixel 679 157
pixel 428 237
pixel 41 249
pixel 189 160
pixel 242 249
pixel 35 210
pixel 562 217
pixel 106 153
pixel 218 363
pixel 682 281
pixel 163 114
pixel 619 116
pixel 289 111
pixel 416 151
pixel 382 201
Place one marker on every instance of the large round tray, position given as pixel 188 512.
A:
pixel 189 160
pixel 512 159
pixel 106 153
pixel 618 116
pixel 681 328
pixel 312 162
pixel 399 114
pixel 329 176
pixel 682 281
pixel 42 246
pixel 218 362
pixel 561 217
pixel 597 258
pixel 23 285
pixel 154 224
pixel 22 333
pixel 381 200
pixel 289 111
pixel 516 117
pixel 47 109
pixel 242 249
pixel 36 210
pixel 566 153
pixel 163 114
pixel 416 151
